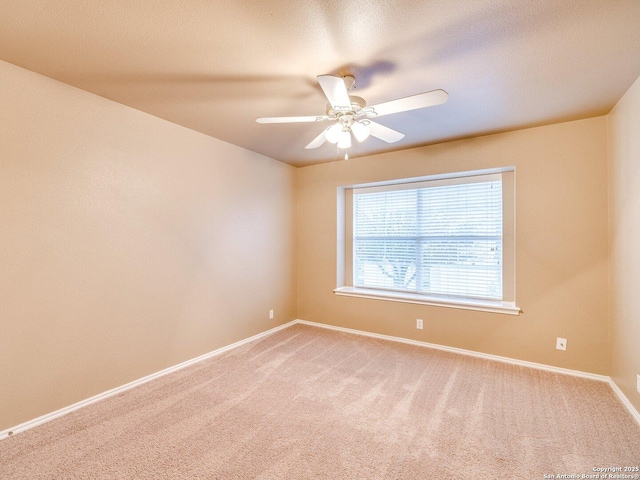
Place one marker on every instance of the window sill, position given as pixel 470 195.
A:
pixel 508 308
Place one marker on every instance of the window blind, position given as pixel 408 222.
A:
pixel 437 238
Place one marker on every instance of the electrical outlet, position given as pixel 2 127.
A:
pixel 638 384
pixel 270 313
pixel 561 343
pixel 419 323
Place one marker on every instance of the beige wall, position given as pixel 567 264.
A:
pixel 624 231
pixel 127 244
pixel 561 246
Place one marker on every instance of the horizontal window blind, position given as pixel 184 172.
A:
pixel 436 238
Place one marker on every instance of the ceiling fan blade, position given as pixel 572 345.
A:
pixel 316 142
pixel 421 100
pixel 387 134
pixel 335 90
pixel 292 119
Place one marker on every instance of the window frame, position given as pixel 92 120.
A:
pixel 345 259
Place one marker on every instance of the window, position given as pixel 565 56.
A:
pixel 445 241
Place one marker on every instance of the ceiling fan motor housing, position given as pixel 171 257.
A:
pixel 357 104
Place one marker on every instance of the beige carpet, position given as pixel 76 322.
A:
pixel 313 403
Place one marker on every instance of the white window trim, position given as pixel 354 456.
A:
pixel 345 244
pixel 491 306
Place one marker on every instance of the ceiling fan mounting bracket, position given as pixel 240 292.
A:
pixel 349 81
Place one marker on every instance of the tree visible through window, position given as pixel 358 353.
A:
pixel 437 238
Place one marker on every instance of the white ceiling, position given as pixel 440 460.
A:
pixel 215 66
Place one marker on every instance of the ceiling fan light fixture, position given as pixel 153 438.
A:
pixel 360 131
pixel 345 140
pixel 332 134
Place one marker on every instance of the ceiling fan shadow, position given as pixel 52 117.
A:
pixel 364 74
pixel 157 88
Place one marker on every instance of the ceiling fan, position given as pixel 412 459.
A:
pixel 352 115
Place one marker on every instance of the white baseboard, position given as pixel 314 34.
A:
pixel 115 391
pixel 462 351
pixel 625 401
pixel 539 366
